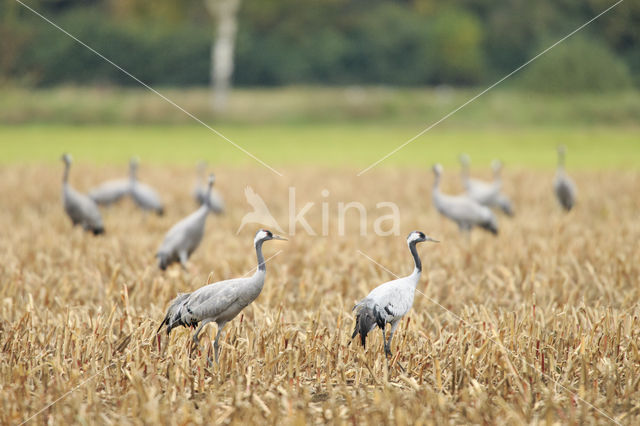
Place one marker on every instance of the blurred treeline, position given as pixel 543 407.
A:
pixel 336 42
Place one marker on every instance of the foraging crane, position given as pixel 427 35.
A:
pixel 113 190
pixel 486 193
pixel 461 209
pixel 389 302
pixel 563 185
pixel 216 204
pixel 218 302
pixel 185 236
pixel 81 209
pixel 143 195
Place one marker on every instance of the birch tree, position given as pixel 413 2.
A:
pixel 225 15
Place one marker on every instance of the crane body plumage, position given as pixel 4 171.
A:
pixel 563 186
pixel 389 302
pixel 201 193
pixel 81 209
pixel 486 193
pixel 219 302
pixel 184 237
pixel 463 210
pixel 143 195
pixel 110 192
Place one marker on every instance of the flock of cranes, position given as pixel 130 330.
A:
pixel 222 301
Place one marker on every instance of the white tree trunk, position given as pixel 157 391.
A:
pixel 225 14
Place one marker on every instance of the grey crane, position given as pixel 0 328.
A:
pixel 461 209
pixel 389 302
pixel 81 209
pixel 216 204
pixel 113 191
pixel 563 186
pixel 219 302
pixel 486 193
pixel 143 195
pixel 185 236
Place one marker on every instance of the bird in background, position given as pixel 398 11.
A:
pixel 144 196
pixel 219 302
pixel 260 214
pixel 185 236
pixel 216 203
pixel 563 186
pixel 463 210
pixel 81 209
pixel 113 191
pixel 389 302
pixel 486 193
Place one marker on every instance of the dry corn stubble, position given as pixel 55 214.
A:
pixel 557 291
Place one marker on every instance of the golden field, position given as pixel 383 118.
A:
pixel 537 325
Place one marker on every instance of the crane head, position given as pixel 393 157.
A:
pixel 419 237
pixel 465 160
pixel 66 158
pixel 211 179
pixel 437 169
pixel 266 235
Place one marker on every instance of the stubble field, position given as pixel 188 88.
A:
pixel 537 325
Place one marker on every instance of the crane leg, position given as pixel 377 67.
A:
pixel 196 340
pixel 387 344
pixel 183 259
pixel 216 346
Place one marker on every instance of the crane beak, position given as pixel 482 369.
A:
pixel 278 237
pixel 432 240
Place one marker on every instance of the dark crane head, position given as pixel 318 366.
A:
pixel 419 237
pixel 66 158
pixel 265 235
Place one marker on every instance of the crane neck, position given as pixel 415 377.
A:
pixel 416 258
pixel 261 264
pixel 207 200
pixel 65 176
pixel 561 160
pixel 465 171
pixel 436 181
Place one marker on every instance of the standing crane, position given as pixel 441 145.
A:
pixel 143 195
pixel 219 302
pixel 200 192
pixel 389 302
pixel 464 211
pixel 185 236
pixel 113 191
pixel 81 209
pixel 486 193
pixel 563 186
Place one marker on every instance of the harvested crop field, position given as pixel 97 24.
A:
pixel 539 324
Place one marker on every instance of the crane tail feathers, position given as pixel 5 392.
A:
pixel 367 319
pixel 490 226
pixel 173 318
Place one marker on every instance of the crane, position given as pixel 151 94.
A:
pixel 81 209
pixel 389 302
pixel 563 186
pixel 486 193
pixel 219 302
pixel 113 191
pixel 185 236
pixel 463 210
pixel 143 195
pixel 216 203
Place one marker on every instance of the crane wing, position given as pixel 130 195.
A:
pixel 213 299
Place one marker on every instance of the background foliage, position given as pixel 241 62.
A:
pixel 408 42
